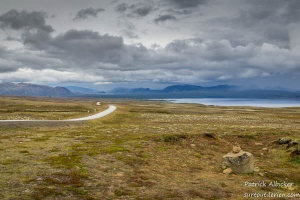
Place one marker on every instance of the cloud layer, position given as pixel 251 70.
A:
pixel 258 39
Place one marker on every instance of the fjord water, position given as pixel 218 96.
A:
pixel 267 103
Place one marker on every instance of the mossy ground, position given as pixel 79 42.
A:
pixel 144 150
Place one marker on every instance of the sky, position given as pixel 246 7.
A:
pixel 150 43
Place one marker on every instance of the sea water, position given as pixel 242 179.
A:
pixel 269 103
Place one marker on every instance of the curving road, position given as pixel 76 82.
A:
pixel 96 116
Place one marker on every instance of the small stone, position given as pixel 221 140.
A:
pixel 193 145
pixel 258 144
pixel 119 174
pixel 227 171
pixel 261 174
pixel 265 149
pixel 236 149
pixel 261 154
pixel 39 179
pixel 27 191
pixel 256 169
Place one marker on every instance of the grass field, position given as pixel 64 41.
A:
pixel 144 150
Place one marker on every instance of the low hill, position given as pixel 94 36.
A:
pixel 83 90
pixel 25 89
pixel 130 90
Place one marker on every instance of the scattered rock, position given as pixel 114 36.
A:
pixel 265 149
pixel 292 143
pixel 193 145
pixel 261 174
pixel 240 163
pixel 119 174
pixel 284 140
pixel 296 152
pixel 39 179
pixel 256 169
pixel 258 144
pixel 211 135
pixel 27 191
pixel 227 171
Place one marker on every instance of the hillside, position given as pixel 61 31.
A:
pixel 25 89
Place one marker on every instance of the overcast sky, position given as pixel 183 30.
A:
pixel 154 43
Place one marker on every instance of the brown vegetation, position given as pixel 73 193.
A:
pixel 144 150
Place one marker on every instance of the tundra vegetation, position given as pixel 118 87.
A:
pixel 144 150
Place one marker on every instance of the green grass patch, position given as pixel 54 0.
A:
pixel 295 160
pixel 132 160
pixel 42 139
pixel 64 161
pixel 122 192
pixel 113 149
pixel 174 137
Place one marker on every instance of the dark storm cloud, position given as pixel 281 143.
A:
pixel 164 17
pixel 88 12
pixel 38 40
pixel 25 21
pixel 187 3
pixel 122 7
pixel 75 38
pixel 10 38
pixel 257 22
pixel 270 18
pixel 179 12
pixel 84 47
pixel 273 10
pixel 134 10
pixel 143 11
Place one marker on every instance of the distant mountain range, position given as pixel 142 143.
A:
pixel 83 90
pixel 25 89
pixel 173 91
pixel 195 91
pixel 187 88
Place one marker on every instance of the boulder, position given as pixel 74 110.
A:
pixel 284 140
pixel 240 163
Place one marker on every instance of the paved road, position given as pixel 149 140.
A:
pixel 96 116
